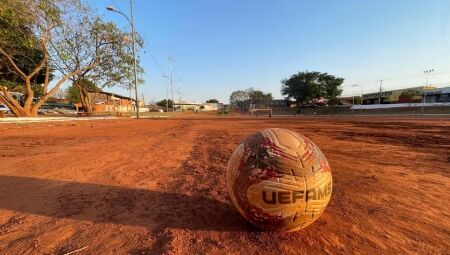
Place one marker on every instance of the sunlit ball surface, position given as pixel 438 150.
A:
pixel 279 180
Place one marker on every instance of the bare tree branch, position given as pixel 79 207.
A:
pixel 13 63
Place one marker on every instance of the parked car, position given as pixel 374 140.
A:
pixel 4 108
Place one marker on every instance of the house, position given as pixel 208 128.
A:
pixel 112 103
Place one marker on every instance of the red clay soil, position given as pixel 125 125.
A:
pixel 158 187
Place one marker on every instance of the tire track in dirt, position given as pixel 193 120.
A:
pixel 201 177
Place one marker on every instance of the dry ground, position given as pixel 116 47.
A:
pixel 158 187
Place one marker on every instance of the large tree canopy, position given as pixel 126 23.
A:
pixel 307 86
pixel 96 42
pixel 18 39
pixel 67 37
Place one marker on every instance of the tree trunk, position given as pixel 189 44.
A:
pixel 14 106
pixel 85 99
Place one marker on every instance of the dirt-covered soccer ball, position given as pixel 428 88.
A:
pixel 279 180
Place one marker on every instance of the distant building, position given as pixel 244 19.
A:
pixel 281 103
pixel 187 106
pixel 211 107
pixel 438 95
pixel 349 101
pixel 395 96
pixel 278 103
pixel 193 106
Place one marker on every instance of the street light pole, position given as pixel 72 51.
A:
pixel 134 56
pixel 427 73
pixel 133 37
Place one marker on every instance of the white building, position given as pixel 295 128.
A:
pixel 193 106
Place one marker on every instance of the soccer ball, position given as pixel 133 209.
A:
pixel 279 180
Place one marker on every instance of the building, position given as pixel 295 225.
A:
pixel 112 103
pixel 394 96
pixel 349 101
pixel 211 107
pixel 432 95
pixel 438 95
pixel 279 103
pixel 193 106
pixel 187 106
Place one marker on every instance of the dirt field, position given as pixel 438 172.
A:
pixel 158 187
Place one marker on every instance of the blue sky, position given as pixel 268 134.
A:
pixel 221 46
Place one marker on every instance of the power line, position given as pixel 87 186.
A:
pixel 155 60
pixel 145 45
pixel 116 5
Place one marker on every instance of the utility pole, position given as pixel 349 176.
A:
pixel 131 99
pixel 133 37
pixel 134 57
pixel 167 99
pixel 427 73
pixel 379 93
pixel 171 81
pixel 179 91
pixel 171 85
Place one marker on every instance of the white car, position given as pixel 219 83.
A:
pixel 4 108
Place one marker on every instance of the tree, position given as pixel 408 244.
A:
pixel 257 97
pixel 240 99
pixel 96 42
pixel 73 92
pixel 26 55
pixel 163 103
pixel 331 87
pixel 212 101
pixel 244 99
pixel 410 94
pixel 12 81
pixel 30 26
pixel 306 86
pixel 54 28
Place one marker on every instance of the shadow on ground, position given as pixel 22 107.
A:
pixel 117 205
